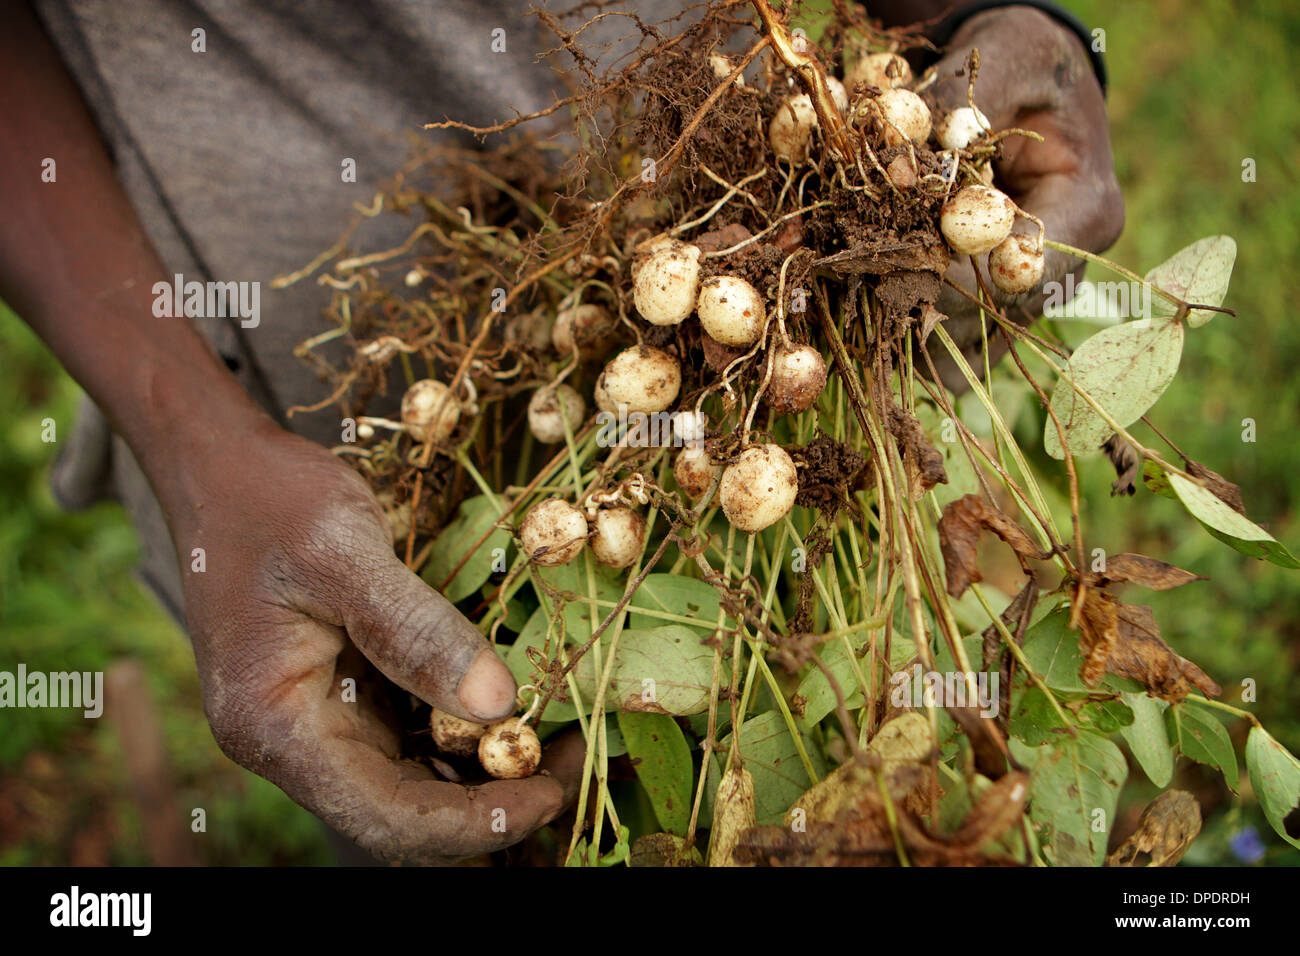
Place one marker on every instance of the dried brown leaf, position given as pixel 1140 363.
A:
pixel 1217 485
pixel 1127 462
pixel 998 809
pixel 1144 571
pixel 1098 634
pixel 1166 829
pixel 959 530
pixel 1125 640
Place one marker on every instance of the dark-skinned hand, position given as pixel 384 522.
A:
pixel 1034 75
pixel 301 590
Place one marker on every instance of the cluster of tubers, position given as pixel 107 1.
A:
pixel 508 749
pixel 977 219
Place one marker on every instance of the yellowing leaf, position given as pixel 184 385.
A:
pixel 1125 369
pixel 1198 275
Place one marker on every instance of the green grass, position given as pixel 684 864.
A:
pixel 1195 90
pixel 69 600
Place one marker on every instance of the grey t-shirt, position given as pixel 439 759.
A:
pixel 233 158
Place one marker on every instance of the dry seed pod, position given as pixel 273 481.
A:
pixel 758 489
pixel 429 411
pixel 976 219
pixel 553 532
pixel 695 473
pixel 548 410
pixel 798 377
pixel 731 310
pixel 619 536
pixel 881 70
pixel 643 378
pixel 590 325
pixel 454 735
pixel 1016 264
pixel 958 128
pixel 906 117
pixel 666 282
pixel 733 814
pixel 509 749
pixel 791 129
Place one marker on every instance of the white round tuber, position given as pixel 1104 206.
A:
pixel 666 283
pixel 905 115
pixel 619 536
pixel 881 70
pixel 694 472
pixel 731 310
pixel 430 411
pixel 643 378
pixel 791 129
pixel 590 325
pixel 550 408
pixel 454 735
pixel 976 219
pixel 758 489
pixel 510 750
pixel 798 377
pixel 553 532
pixel 958 128
pixel 1016 264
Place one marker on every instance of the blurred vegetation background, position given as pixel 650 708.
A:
pixel 1196 88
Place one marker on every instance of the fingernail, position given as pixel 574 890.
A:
pixel 487 690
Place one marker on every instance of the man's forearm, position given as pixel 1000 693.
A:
pixel 76 264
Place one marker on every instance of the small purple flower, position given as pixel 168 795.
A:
pixel 1246 846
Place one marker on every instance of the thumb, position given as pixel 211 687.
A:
pixel 420 642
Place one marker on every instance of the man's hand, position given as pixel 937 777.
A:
pixel 301 590
pixel 1034 75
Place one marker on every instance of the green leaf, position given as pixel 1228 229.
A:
pixel 771 757
pixel 662 758
pixel 1232 528
pixel 1035 721
pixel 475 517
pixel 662 670
pixel 1201 737
pixel 663 849
pixel 816 689
pixel 1198 275
pixel 1125 368
pixel 1148 739
pixel 674 594
pixel 1052 650
pixel 1073 792
pixel 1275 777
